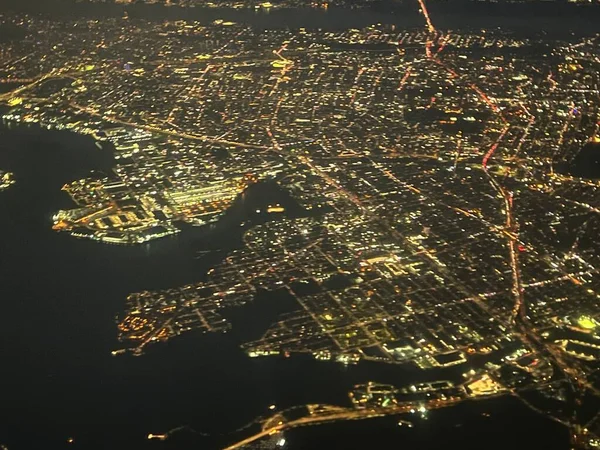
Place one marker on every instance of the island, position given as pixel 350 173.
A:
pixel 7 179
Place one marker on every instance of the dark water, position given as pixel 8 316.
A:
pixel 587 162
pixel 59 299
pixel 535 17
pixel 473 426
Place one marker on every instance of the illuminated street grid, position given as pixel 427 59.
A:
pixel 445 231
